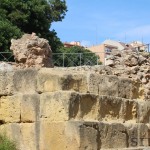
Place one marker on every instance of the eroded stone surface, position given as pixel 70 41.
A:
pixel 32 51
pixel 79 110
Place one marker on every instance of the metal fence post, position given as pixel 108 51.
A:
pixel 63 59
pixel 80 58
pixel 97 59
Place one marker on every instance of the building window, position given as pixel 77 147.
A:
pixel 107 50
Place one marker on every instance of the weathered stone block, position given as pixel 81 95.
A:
pixel 125 88
pixel 10 108
pixel 24 135
pixel 67 136
pixel 56 106
pixel 30 108
pixel 51 80
pixel 29 137
pixel 6 83
pixel 24 81
pixel 138 135
pixel 102 84
pixel 112 136
pixel 129 110
pixel 144 112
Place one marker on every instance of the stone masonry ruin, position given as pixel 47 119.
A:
pixel 78 108
pixel 32 51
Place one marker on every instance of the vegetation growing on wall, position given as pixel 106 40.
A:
pixel 6 143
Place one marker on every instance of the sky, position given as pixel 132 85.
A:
pixel 93 21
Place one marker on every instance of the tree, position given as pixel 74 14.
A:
pixel 7 32
pixel 75 56
pixel 27 16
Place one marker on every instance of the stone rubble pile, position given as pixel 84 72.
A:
pixel 32 51
pixel 133 65
pixel 124 64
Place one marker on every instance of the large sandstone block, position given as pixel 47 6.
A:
pixel 10 109
pixel 29 136
pixel 56 106
pixel 59 135
pixel 112 135
pixel 6 82
pixel 102 84
pixel 30 108
pixel 24 81
pixel 129 110
pixel 50 80
pixel 18 81
pixel 138 135
pixel 144 112
pixel 125 88
pixel 67 136
pixel 25 135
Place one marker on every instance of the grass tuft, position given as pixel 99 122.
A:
pixel 6 143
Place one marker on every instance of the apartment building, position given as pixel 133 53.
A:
pixel 104 49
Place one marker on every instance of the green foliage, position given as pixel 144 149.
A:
pixel 27 16
pixel 7 32
pixel 75 56
pixel 6 143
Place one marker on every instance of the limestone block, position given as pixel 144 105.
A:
pixel 89 136
pixel 103 85
pixel 56 106
pixel 12 131
pixel 24 135
pixel 30 105
pixel 129 110
pixel 29 137
pixel 52 136
pixel 87 107
pixel 51 80
pixel 110 108
pixel 67 136
pixel 144 112
pixel 6 82
pixel 138 135
pixel 112 136
pixel 10 108
pixel 125 88
pixel 24 81
pixel 138 90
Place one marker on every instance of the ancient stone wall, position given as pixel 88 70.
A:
pixel 62 109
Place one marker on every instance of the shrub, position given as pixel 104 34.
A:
pixel 6 143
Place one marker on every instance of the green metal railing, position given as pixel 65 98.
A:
pixel 6 56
